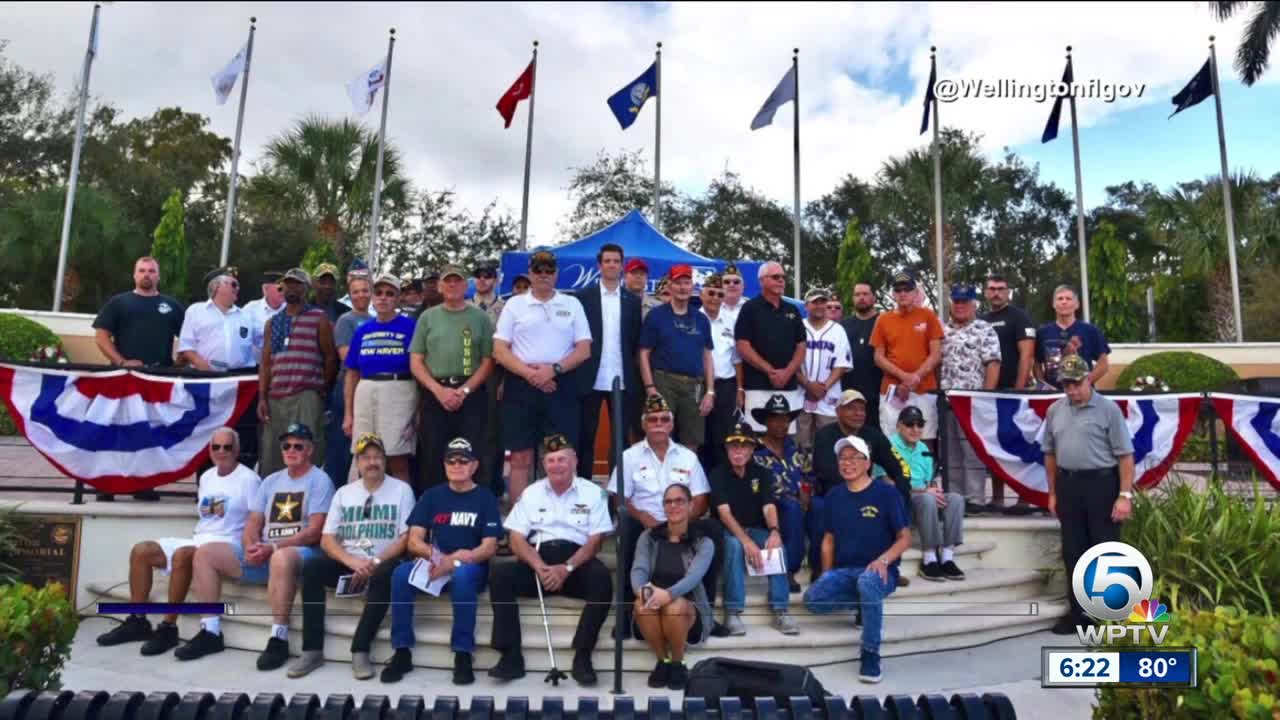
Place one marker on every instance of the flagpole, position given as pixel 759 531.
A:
pixel 377 178
pixel 937 193
pixel 528 154
pixel 75 162
pixel 1226 196
pixel 235 151
pixel 1075 146
pixel 657 144
pixel 795 64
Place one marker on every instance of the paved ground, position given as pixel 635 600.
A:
pixel 1009 666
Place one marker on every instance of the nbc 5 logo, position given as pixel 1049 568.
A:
pixel 1110 578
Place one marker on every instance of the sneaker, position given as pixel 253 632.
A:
pixel 104 497
pixel 164 639
pixel 931 571
pixel 310 660
pixel 204 643
pixel 400 664
pixel 972 508
pixel 951 572
pixel 462 672
pixel 994 508
pixel 719 630
pixel 510 667
pixel 584 673
pixel 658 678
pixel 903 581
pixel 147 496
pixel 869 672
pixel 361 666
pixel 134 628
pixel 857 618
pixel 1019 508
pixel 275 655
pixel 677 676
pixel 785 624
pixel 792 585
pixel 735 624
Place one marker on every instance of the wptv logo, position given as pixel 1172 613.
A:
pixel 1112 581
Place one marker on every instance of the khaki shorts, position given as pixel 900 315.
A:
pixel 387 407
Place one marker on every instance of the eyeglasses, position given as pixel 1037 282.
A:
pixel 234 285
pixel 543 270
pixel 675 501
pixel 776 276
pixel 216 447
pixel 386 293
pixel 298 447
pixel 457 460
pixel 658 420
pixel 713 293
pixel 851 459
pixel 732 281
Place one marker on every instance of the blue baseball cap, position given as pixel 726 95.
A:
pixel 963 292
pixel 299 431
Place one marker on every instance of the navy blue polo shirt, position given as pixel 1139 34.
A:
pixel 676 341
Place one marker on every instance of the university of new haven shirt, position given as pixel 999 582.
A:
pixel 366 523
pixel 458 520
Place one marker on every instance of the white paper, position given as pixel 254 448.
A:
pixel 772 564
pixel 420 577
pixel 344 587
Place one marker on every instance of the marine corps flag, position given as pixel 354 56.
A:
pixel 521 90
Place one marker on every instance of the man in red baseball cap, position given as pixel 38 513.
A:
pixel 675 359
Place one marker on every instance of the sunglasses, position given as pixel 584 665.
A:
pixel 286 447
pixel 728 281
pixel 913 424
pixel 713 293
pixel 234 285
pixel 216 447
pixel 776 276
pixel 1070 383
pixel 903 289
pixel 543 270
pixel 457 460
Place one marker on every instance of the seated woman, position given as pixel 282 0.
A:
pixel 223 506
pixel 938 515
pixel 671 607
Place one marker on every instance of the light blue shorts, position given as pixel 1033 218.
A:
pixel 258 574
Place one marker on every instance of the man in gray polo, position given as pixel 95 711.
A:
pixel 1088 457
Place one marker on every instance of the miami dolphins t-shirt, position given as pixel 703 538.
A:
pixel 458 520
pixel 366 523
pixel 223 504
pixel 289 503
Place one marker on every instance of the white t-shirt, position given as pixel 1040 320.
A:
pixel 369 533
pixel 542 332
pixel 825 350
pixel 648 478
pixel 223 504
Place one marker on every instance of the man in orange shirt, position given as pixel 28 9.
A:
pixel 908 347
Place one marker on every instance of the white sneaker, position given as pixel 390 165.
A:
pixel 734 622
pixel 785 624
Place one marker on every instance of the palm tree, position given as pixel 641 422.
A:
pixel 1254 53
pixel 324 169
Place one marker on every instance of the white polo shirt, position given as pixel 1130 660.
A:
pixel 825 350
pixel 582 511
pixel 225 340
pixel 542 332
pixel 648 478
pixel 724 356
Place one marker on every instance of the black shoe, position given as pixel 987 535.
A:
pixel 204 643
pixel 792 585
pixel 402 662
pixel 857 619
pixel 104 497
pixel 1066 625
pixel 164 639
pixel 583 671
pixel 972 508
pixel 951 572
pixel 677 676
pixel 932 571
pixel 719 630
pixel 658 678
pixel 462 673
pixel 147 496
pixel 275 655
pixel 1019 508
pixel 133 629
pixel 510 667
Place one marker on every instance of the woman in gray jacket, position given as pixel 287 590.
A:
pixel 671 608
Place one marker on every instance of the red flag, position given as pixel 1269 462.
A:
pixel 521 90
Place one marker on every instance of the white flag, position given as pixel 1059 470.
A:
pixel 784 93
pixel 364 88
pixel 225 79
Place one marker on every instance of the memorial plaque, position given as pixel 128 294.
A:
pixel 48 551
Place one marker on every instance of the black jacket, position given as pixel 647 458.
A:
pixel 630 327
pixel 824 457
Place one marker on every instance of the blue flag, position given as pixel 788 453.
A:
pixel 627 102
pixel 929 96
pixel 1051 128
pixel 1200 87
pixel 784 93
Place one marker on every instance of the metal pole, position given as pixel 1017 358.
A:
pixel 528 154
pixel 1151 314
pixel 657 146
pixel 619 436
pixel 937 195
pixel 795 64
pixel 235 151
pixel 1226 197
pixel 1075 147
pixel 377 178
pixel 75 163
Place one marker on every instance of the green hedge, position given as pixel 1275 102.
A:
pixel 19 338
pixel 1181 371
pixel 36 630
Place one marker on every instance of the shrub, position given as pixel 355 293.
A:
pixel 1238 658
pixel 19 338
pixel 1181 371
pixel 36 630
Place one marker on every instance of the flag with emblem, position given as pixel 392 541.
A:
pixel 627 102
pixel 1195 92
pixel 364 88
pixel 520 90
pixel 784 93
pixel 224 81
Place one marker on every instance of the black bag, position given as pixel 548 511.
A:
pixel 715 678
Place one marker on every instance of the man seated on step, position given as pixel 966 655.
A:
pixel 222 506
pixel 464 525
pixel 742 498
pixel 556 528
pixel 286 518
pixel 365 534
pixel 865 535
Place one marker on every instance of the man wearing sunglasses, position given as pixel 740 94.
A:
pixel 217 335
pixel 364 531
pixel 734 287
pixel 908 348
pixel 727 366
pixel 485 296
pixel 771 340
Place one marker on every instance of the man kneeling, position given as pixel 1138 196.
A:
pixel 865 534
pixel 364 537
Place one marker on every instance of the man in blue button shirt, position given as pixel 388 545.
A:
pixel 1068 336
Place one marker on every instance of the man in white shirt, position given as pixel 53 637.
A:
pixel 216 335
pixel 734 287
pixel 542 338
pixel 262 309
pixel 827 357
pixel 728 373
pixel 557 529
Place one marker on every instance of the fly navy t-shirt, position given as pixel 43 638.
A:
pixel 457 520
pixel 865 524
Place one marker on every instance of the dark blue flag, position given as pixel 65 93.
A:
pixel 1051 128
pixel 1200 87
pixel 627 102
pixel 929 96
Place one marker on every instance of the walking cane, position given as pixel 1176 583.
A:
pixel 555 675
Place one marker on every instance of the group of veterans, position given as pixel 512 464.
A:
pixel 758 440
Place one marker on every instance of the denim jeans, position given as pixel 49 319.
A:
pixel 848 588
pixel 815 531
pixel 464 588
pixel 791 522
pixel 337 446
pixel 735 574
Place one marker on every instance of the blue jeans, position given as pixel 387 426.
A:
pixel 791 522
pixel 337 446
pixel 464 588
pixel 735 574
pixel 815 531
pixel 848 588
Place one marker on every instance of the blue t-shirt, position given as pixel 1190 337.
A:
pixel 1052 342
pixel 676 341
pixel 379 347
pixel 457 521
pixel 865 524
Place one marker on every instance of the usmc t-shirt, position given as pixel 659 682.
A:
pixel 458 520
pixel 366 523
pixel 288 504
pixel 143 327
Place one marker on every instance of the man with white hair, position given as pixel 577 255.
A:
pixel 216 334
pixel 771 341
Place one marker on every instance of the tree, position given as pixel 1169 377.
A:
pixel 613 186
pixel 826 222
pixel 446 235
pixel 854 264
pixel 1254 54
pixel 734 222
pixel 35 142
pixel 170 246
pixel 1109 286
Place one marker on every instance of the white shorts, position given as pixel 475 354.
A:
pixel 387 407
pixel 891 406
pixel 760 398
pixel 171 545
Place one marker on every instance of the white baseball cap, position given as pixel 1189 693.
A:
pixel 855 442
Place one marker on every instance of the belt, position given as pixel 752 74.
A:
pixel 557 543
pixel 453 380
pixel 1096 472
pixel 687 379
pixel 387 376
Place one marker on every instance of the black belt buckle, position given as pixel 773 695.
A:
pixel 389 376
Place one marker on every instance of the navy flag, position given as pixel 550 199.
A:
pixel 627 102
pixel 929 96
pixel 1051 128
pixel 1200 87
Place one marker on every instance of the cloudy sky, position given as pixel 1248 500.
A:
pixel 863 69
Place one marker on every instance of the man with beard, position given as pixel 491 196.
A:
pixel 486 297
pixel 865 375
pixel 324 284
pixel 1017 355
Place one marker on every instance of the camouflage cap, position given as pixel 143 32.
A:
pixel 1074 368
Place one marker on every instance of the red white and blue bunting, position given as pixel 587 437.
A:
pixel 1255 423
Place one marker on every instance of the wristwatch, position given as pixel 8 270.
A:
pixel 559 370
pixel 568 566
pixel 1127 494
pixel 457 563
pixel 465 390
